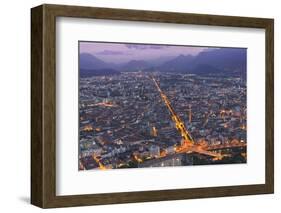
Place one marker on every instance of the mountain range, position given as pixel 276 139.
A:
pixel 222 61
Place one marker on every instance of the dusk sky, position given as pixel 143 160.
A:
pixel 120 53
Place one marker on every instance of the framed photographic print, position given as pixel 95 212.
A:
pixel 137 106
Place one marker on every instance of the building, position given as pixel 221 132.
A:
pixel 154 151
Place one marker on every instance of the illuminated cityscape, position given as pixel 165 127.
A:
pixel 154 116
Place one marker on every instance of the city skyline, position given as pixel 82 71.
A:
pixel 183 111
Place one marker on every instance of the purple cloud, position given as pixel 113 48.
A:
pixel 110 52
pixel 145 46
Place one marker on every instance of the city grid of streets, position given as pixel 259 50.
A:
pixel 125 121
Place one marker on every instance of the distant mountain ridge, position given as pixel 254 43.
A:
pixel 224 60
pixel 180 63
pixel 228 61
pixel 88 61
pixel 135 65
